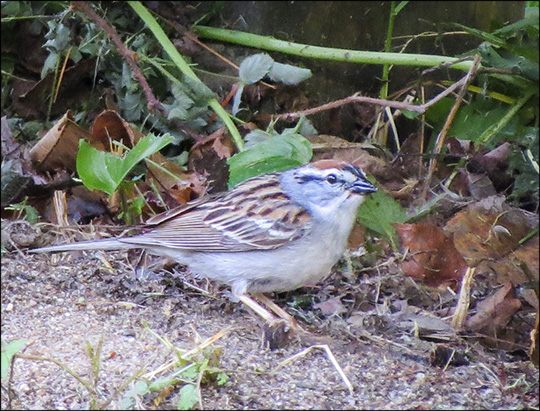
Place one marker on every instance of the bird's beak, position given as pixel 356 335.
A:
pixel 362 186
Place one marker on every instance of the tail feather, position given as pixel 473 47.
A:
pixel 106 244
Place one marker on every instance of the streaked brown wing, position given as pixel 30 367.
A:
pixel 260 218
pixel 183 209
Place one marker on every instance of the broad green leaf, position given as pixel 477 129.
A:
pixel 199 92
pixel 378 213
pixel 222 378
pixel 10 8
pixel 188 397
pixel 178 113
pixel 524 164
pixel 191 373
pixel 472 120
pixel 505 60
pixel 307 128
pixel 161 383
pixel 141 388
pixel 288 74
pixel 8 351
pixel 50 64
pixel 276 154
pixel 59 36
pixel 100 170
pixel 255 137
pixel 181 99
pixel 254 68
pixel 133 105
pixel 519 49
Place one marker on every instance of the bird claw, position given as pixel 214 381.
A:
pixel 277 333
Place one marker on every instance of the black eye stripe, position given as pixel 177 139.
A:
pixel 331 178
pixel 339 178
pixel 307 178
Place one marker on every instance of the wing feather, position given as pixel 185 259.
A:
pixel 260 218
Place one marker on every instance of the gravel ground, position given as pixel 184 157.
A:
pixel 58 303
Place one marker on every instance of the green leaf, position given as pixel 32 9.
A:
pixel 255 137
pixel 198 91
pixel 141 388
pixel 161 383
pixel 181 99
pixel 30 213
pixel 277 153
pixel 8 351
pixel 254 68
pixel 237 100
pixel 188 397
pixel 59 36
pixel 10 8
pixel 378 213
pixel 191 373
pixel 524 164
pixel 177 112
pixel 288 74
pixel 520 49
pixel 50 64
pixel 503 59
pixel 105 171
pixel 222 378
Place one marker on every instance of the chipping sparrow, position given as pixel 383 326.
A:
pixel 274 232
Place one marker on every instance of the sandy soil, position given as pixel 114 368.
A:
pixel 58 303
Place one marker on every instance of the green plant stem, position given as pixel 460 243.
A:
pixel 85 383
pixel 387 47
pixel 495 128
pixel 381 134
pixel 184 67
pixel 325 53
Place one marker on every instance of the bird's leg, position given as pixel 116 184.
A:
pixel 267 316
pixel 281 313
pixel 276 309
pixel 277 331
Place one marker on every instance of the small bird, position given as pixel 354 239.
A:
pixel 273 232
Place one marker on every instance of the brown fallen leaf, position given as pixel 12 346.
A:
pixel 332 306
pixel 494 313
pixel 489 229
pixel 533 351
pixel 488 234
pixel 109 125
pixel 432 257
pixel 208 158
pixel 58 148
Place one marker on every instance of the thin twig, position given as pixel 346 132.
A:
pixel 462 306
pixel 331 357
pixel 357 98
pixel 129 55
pixel 86 384
pixel 442 135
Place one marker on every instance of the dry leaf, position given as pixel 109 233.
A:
pixel 487 234
pixel 494 312
pixel 432 256
pixel 332 306
pixel 109 125
pixel 58 148
pixel 208 158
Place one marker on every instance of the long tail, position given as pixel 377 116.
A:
pixel 106 244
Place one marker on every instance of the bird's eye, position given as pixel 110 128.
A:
pixel 332 179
